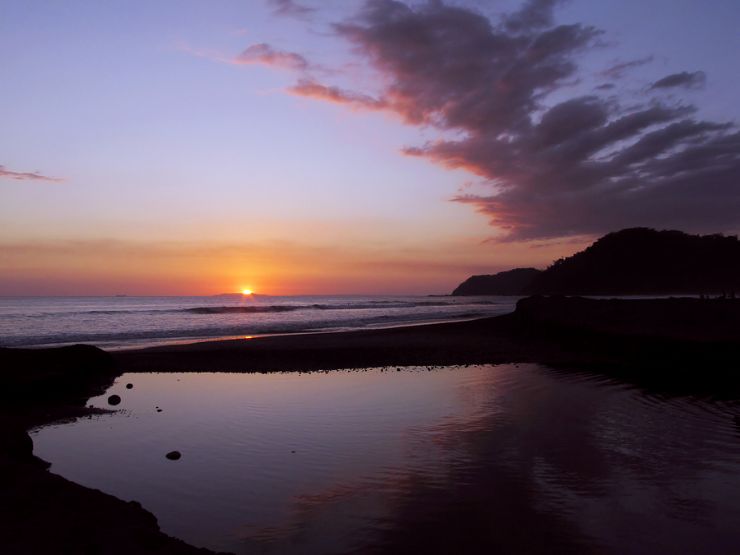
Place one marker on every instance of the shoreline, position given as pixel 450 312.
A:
pixel 220 339
pixel 655 343
pixel 44 512
pixel 113 347
pixel 669 346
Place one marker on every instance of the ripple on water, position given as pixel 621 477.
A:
pixel 509 457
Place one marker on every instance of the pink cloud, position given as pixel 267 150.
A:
pixel 27 176
pixel 266 55
pixel 312 89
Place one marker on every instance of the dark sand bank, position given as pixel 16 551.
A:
pixel 670 345
pixel 679 344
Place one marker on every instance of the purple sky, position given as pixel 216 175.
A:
pixel 201 147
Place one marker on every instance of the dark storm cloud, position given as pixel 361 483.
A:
pixel 579 166
pixel 684 79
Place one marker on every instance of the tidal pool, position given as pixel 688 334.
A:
pixel 456 459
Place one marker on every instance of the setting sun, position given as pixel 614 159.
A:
pixel 246 291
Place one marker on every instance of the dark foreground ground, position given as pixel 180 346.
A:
pixel 672 346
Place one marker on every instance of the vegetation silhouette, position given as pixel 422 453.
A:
pixel 635 261
pixel 510 282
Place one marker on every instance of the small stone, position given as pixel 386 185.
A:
pixel 129 386
pixel 114 400
pixel 159 410
pixel 173 455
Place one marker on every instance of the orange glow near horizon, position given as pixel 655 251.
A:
pixel 246 292
pixel 109 267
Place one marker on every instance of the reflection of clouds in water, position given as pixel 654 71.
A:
pixel 448 477
pixel 581 469
pixel 319 522
pixel 355 511
pixel 490 458
pixel 488 501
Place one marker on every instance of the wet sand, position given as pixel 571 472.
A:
pixel 677 346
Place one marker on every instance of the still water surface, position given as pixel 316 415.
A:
pixel 508 458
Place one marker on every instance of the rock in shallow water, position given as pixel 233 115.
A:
pixel 173 455
pixel 114 400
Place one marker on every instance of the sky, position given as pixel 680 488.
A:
pixel 336 147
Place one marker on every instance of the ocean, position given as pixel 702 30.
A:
pixel 127 322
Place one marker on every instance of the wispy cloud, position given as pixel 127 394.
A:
pixel 313 89
pixel 619 69
pixel 27 176
pixel 267 55
pixel 291 8
pixel 685 79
